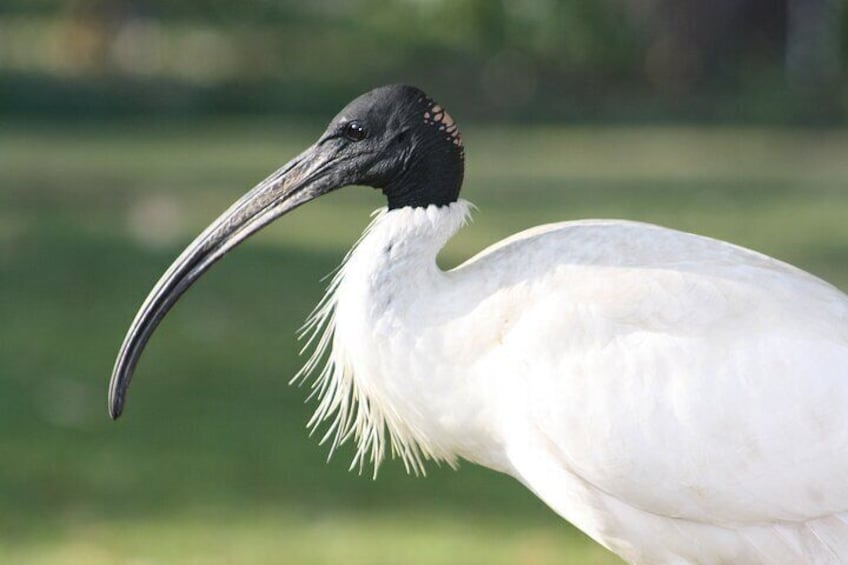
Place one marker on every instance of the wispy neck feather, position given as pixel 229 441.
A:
pixel 354 410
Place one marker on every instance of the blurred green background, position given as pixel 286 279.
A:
pixel 126 126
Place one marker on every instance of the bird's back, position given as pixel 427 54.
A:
pixel 654 278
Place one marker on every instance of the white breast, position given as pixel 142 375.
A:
pixel 392 363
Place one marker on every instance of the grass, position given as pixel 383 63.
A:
pixel 211 463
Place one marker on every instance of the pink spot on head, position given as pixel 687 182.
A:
pixel 435 115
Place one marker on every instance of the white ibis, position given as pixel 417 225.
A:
pixel 677 398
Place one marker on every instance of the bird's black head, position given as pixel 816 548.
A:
pixel 399 140
pixel 394 138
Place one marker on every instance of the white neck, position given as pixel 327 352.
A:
pixel 375 319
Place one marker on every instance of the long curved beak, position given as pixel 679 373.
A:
pixel 302 179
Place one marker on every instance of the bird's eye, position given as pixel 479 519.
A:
pixel 355 131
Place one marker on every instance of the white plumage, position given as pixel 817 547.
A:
pixel 678 398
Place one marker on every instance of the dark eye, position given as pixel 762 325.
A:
pixel 355 131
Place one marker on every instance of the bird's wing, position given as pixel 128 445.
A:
pixel 682 376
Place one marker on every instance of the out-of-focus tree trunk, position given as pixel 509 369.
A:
pixel 813 57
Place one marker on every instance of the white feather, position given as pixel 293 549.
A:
pixel 680 399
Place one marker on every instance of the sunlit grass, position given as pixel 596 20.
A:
pixel 220 535
pixel 212 463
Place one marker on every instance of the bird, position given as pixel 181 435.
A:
pixel 678 398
